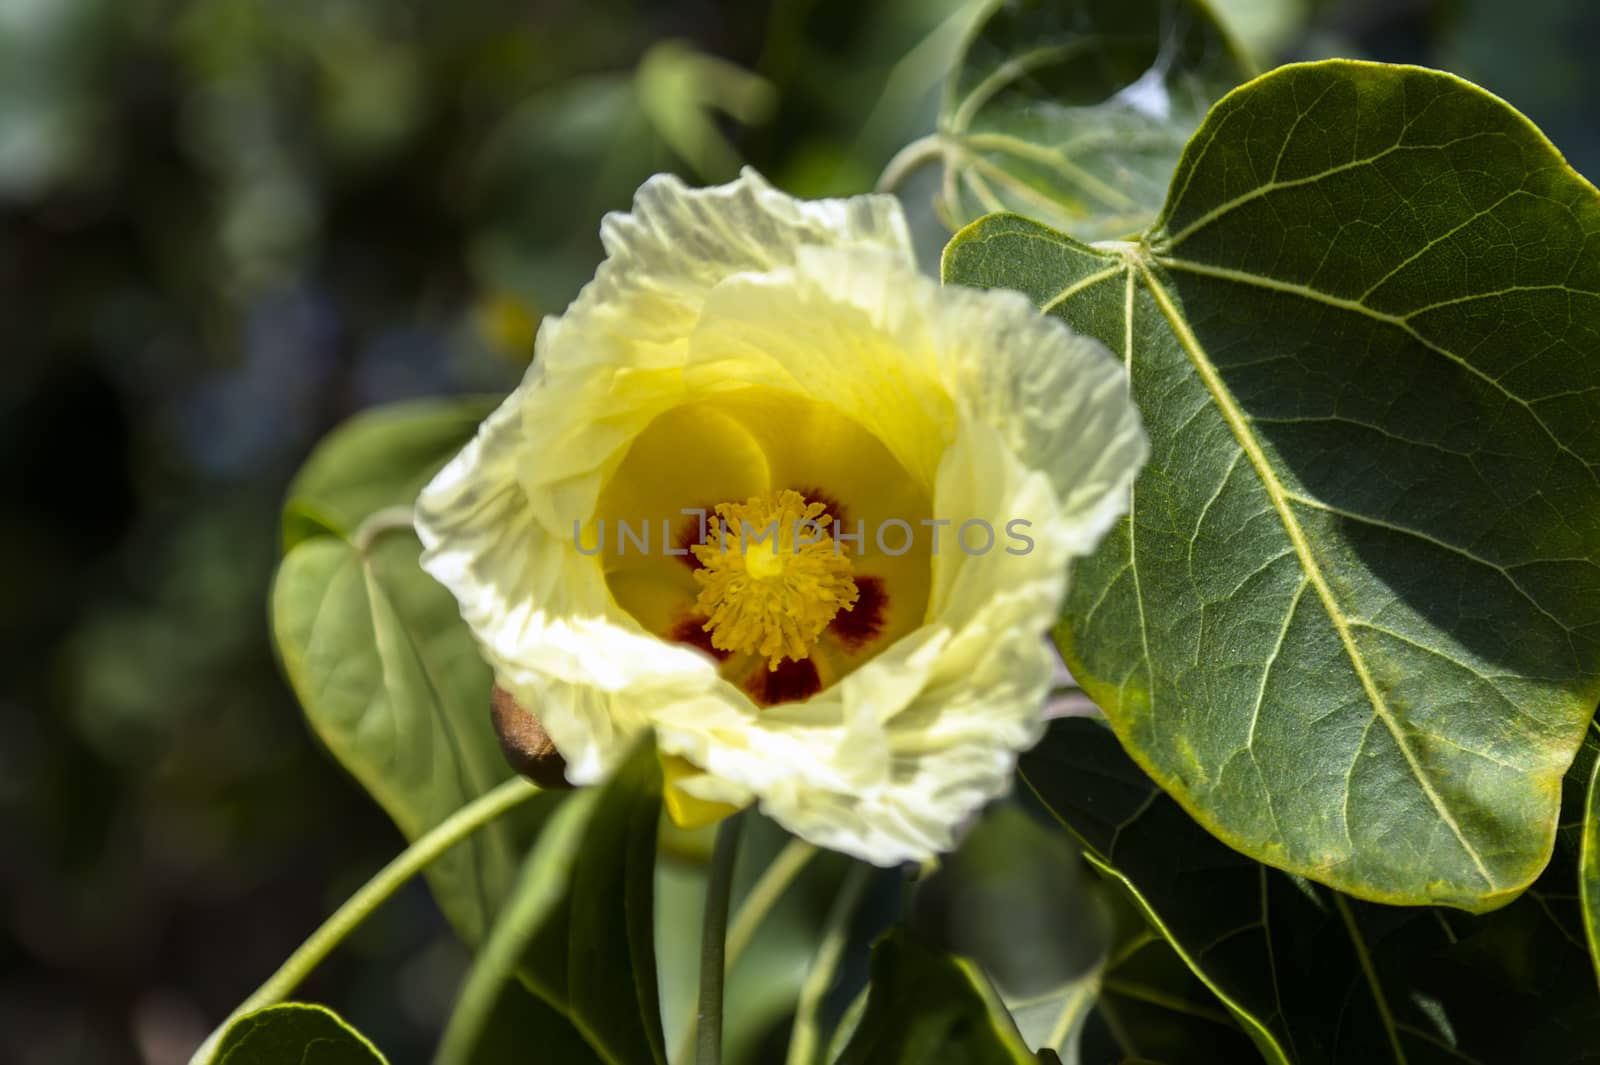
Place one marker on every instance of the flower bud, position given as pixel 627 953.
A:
pixel 526 745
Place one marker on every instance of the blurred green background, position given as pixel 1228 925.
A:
pixel 226 225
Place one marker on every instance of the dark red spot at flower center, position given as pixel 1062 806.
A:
pixel 792 681
pixel 688 536
pixel 860 625
pixel 690 630
pixel 836 511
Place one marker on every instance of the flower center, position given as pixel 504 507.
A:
pixel 772 576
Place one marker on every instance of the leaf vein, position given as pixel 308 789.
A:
pixel 1418 534
pixel 1399 322
pixel 1275 492
pixel 1078 286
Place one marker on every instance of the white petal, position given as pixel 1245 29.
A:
pixel 1009 417
pixel 678 243
pixel 665 256
pixel 497 521
pixel 1000 414
pixel 540 610
pixel 1061 401
pixel 611 362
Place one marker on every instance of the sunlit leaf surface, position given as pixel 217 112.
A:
pixel 380 458
pixel 1351 621
pixel 388 675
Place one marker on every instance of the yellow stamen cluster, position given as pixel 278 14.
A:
pixel 772 576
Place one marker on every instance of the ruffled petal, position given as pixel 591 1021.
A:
pixel 997 414
pixel 498 520
pixel 1011 418
pixel 540 610
pixel 678 243
pixel 613 361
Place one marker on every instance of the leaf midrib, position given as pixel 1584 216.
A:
pixel 1401 322
pixel 1239 425
pixel 373 585
pixel 1137 259
pixel 1133 528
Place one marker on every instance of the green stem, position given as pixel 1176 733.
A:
pixel 912 157
pixel 849 1021
pixel 763 896
pixel 387 520
pixel 806 1037
pixel 358 907
pixel 714 940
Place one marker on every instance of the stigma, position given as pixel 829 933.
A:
pixel 772 576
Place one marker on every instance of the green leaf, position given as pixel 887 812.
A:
pixel 1055 1019
pixel 925 1006
pixel 294 1032
pixel 1146 1005
pixel 1139 839
pixel 1314 977
pixel 681 91
pixel 1016 899
pixel 392 683
pixel 764 983
pixel 519 1020
pixel 579 925
pixel 1075 112
pixel 1350 623
pixel 1076 965
pixel 379 459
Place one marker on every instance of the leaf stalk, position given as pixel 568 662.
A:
pixel 358 907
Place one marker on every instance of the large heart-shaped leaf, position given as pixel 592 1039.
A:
pixel 1074 112
pixel 929 1008
pixel 1317 978
pixel 294 1032
pixel 580 924
pixel 380 458
pixel 376 651
pixel 1350 623
pixel 392 683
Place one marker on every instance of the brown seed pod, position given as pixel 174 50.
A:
pixel 526 745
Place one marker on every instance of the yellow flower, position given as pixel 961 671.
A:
pixel 775 494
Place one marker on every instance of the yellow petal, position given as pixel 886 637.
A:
pixel 685 810
pixel 807 325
